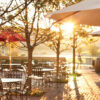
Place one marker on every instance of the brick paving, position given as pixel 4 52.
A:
pixel 85 87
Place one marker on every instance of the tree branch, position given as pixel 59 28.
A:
pixel 15 15
pixel 32 22
pixel 37 31
pixel 6 10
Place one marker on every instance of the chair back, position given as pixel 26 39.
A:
pixel 37 71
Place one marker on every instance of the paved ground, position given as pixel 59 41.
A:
pixel 85 87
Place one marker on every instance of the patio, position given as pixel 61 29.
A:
pixel 85 87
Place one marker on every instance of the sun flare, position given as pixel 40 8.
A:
pixel 67 28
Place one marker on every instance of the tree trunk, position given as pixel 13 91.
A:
pixel 28 41
pixel 29 67
pixel 80 60
pixel 73 70
pixel 29 62
pixel 57 67
pixel 58 53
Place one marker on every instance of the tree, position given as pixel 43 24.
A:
pixel 58 44
pixel 86 42
pixel 92 49
pixel 78 33
pixel 81 35
pixel 31 27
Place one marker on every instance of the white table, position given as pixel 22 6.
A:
pixel 35 77
pixel 10 80
pixel 47 69
pixel 8 83
pixel 9 86
pixel 12 64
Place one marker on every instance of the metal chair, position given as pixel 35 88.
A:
pixel 3 94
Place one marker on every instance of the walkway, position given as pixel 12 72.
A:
pixel 86 87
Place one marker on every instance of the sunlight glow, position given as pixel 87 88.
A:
pixel 67 28
pixel 55 28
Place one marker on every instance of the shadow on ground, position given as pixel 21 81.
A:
pixel 78 95
pixel 98 84
pixel 55 93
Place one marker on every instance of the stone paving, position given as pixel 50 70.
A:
pixel 85 87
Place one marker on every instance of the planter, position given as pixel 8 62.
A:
pixel 34 92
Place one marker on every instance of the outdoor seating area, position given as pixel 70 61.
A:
pixel 49 49
pixel 42 85
pixel 14 81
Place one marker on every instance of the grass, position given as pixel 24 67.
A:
pixel 75 75
pixel 62 80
